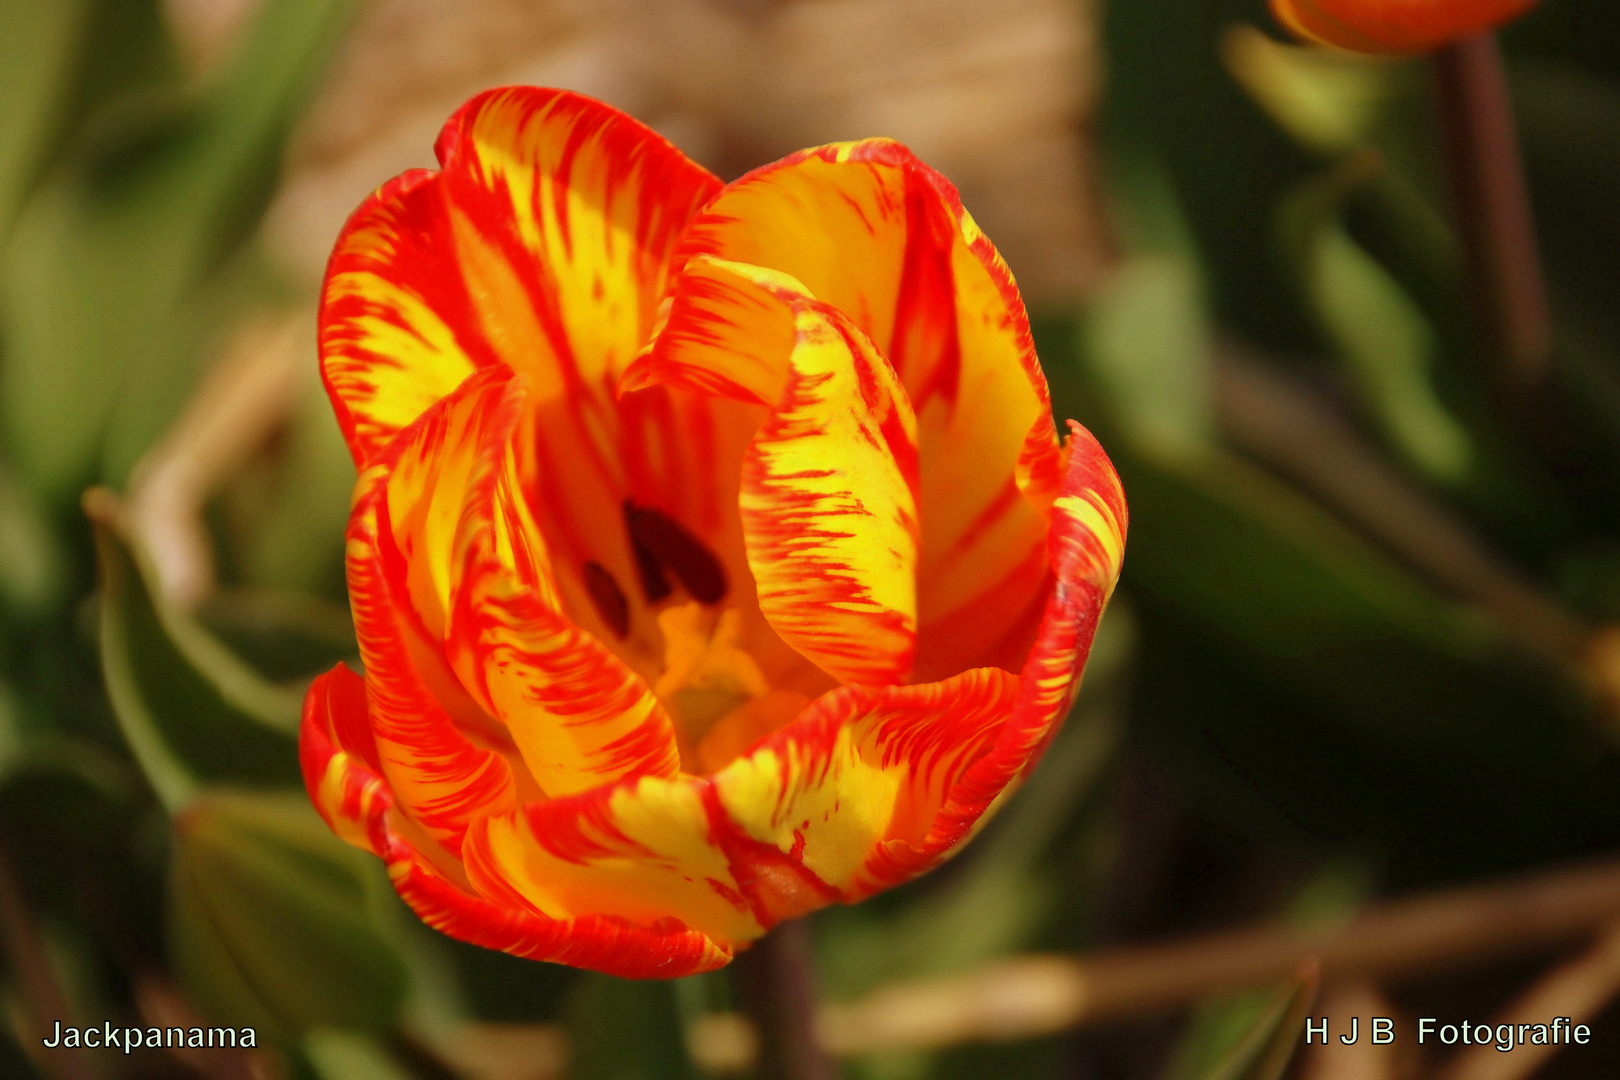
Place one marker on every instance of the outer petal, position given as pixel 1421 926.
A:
pixel 394 324
pixel 781 832
pixel 861 770
pixel 641 851
pixel 541 244
pixel 399 526
pixel 541 247
pixel 339 757
pixel 1393 26
pixel 578 715
pixel 1087 548
pixel 359 805
pixel 870 230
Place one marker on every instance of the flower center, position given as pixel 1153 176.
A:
pixel 715 692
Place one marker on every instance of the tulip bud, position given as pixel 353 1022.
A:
pixel 1377 26
pixel 269 922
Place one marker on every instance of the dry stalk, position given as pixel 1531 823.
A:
pixel 1577 990
pixel 250 390
pixel 1038 995
pixel 1332 1060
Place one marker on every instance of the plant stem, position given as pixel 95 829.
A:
pixel 777 978
pixel 1493 210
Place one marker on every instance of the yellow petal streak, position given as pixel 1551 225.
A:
pixel 392 357
pixel 832 803
pixel 642 854
pixel 829 507
pixel 727 331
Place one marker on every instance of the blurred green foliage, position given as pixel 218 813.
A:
pixel 1278 693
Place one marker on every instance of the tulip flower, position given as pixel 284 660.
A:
pixel 713 557
pixel 1393 26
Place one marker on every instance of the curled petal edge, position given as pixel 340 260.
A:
pixel 362 813
pixel 1086 548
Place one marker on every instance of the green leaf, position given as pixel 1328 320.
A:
pixel 298 545
pixel 1386 342
pixel 94 280
pixel 1274 583
pixel 271 921
pixel 38 49
pixel 1328 100
pixel 1144 335
pixel 31 570
pixel 1145 342
pixel 335 1054
pixel 186 705
pixel 1250 1037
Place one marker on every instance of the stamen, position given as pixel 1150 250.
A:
pixel 654 585
pixel 608 598
pixel 661 543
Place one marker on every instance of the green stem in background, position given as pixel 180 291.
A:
pixel 777 980
pixel 1493 210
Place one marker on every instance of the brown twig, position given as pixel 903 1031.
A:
pixel 778 981
pixel 1330 1059
pixel 252 388
pixel 1576 991
pixel 1038 995
pixel 1493 208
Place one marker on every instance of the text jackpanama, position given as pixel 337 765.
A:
pixel 130 1039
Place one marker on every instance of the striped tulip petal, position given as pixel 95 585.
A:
pixel 727 333
pixel 783 831
pixel 828 494
pixel 338 756
pixel 1086 546
pixel 388 321
pixel 579 716
pixel 870 230
pixel 1393 26
pixel 540 244
pixel 829 506
pixel 863 771
pixel 419 716
pixel 642 851
pixel 359 805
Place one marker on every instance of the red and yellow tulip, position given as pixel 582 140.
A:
pixel 713 555
pixel 1393 26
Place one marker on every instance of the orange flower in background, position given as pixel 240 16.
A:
pixel 713 556
pixel 1393 26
